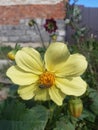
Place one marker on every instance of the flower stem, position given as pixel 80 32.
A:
pixel 40 36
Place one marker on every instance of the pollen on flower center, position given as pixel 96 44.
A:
pixel 46 80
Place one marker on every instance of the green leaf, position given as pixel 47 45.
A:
pixel 94 105
pixel 15 125
pixel 93 95
pixel 73 120
pixel 21 118
pixel 63 125
pixel 88 115
pixel 37 116
pixel 13 110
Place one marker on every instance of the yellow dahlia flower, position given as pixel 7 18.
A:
pixel 53 78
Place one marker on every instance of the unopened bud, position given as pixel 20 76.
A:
pixel 76 107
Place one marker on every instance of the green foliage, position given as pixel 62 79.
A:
pixel 73 20
pixel 64 124
pixel 15 116
pixel 13 110
pixel 41 50
pixel 93 97
pixel 4 50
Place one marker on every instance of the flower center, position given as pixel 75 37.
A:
pixel 46 80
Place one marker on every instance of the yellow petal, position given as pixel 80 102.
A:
pixel 74 66
pixel 29 60
pixel 42 94
pixel 75 86
pixel 55 56
pixel 27 92
pixel 20 77
pixel 56 95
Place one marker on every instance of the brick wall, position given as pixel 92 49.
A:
pixel 14 21
pixel 13 14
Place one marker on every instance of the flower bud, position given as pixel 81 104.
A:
pixel 54 37
pixel 31 23
pixel 76 107
pixel 11 55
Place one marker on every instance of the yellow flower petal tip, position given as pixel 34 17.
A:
pixel 52 78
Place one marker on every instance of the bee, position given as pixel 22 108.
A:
pixel 42 86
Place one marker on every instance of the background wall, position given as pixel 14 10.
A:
pixel 15 15
pixel 22 2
